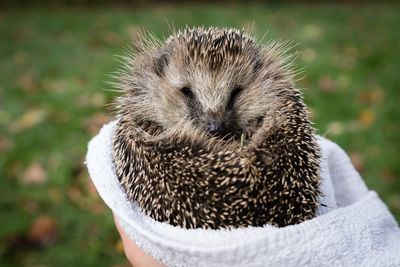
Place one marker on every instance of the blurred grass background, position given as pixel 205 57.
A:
pixel 53 98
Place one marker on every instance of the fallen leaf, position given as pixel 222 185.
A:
pixel 335 128
pixel 55 85
pixel 34 174
pixel 55 195
pixel 97 207
pixel 371 96
pixel 83 101
pixel 388 177
pixel 98 100
pixel 95 122
pixel 43 230
pixel 91 189
pixel 358 161
pixel 311 31
pixel 308 55
pixel 367 117
pixel 30 206
pixel 28 83
pixel 326 84
pixel 28 119
pixel 112 38
pixel 5 143
pixel 120 247
pixel 75 195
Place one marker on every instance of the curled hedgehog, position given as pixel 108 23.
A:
pixel 212 133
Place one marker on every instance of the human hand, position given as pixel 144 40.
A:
pixel 136 256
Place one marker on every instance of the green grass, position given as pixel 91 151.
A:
pixel 53 98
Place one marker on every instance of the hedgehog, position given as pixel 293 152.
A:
pixel 212 132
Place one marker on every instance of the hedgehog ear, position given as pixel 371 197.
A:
pixel 160 64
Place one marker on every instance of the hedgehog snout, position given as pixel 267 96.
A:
pixel 223 127
pixel 215 126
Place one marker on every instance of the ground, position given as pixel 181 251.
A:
pixel 55 64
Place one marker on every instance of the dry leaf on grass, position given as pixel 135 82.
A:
pixel 371 96
pixel 55 195
pixel 97 207
pixel 55 85
pixel 367 117
pixel 30 206
pixel 43 230
pixel 5 143
pixel 311 31
pixel 358 161
pixel 34 174
pixel 335 128
pixel 388 176
pixel 91 189
pixel 96 100
pixel 111 38
pixel 326 84
pixel 120 247
pixel 28 119
pixel 308 55
pixel 95 122
pixel 75 195
pixel 28 83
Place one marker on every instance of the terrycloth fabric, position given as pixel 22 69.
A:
pixel 354 229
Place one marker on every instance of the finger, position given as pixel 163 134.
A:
pixel 134 254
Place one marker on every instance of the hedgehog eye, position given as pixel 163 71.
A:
pixel 186 91
pixel 232 99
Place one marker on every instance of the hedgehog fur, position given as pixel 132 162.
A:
pixel 212 132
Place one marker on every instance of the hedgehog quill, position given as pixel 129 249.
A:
pixel 212 133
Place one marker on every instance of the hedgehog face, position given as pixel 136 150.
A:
pixel 218 80
pixel 212 100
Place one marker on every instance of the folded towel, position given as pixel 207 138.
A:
pixel 353 228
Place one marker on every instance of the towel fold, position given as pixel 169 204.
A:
pixel 353 228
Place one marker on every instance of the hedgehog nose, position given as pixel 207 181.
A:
pixel 214 126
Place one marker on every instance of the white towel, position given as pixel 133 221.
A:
pixel 355 229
